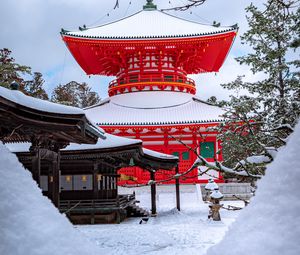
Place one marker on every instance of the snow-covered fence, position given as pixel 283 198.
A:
pixel 230 190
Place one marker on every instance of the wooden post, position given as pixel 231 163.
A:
pixel 177 190
pixel 36 166
pixel 153 194
pixel 118 216
pixel 95 181
pixel 56 180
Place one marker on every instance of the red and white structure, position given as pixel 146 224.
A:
pixel 151 54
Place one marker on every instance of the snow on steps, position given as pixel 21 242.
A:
pixel 136 211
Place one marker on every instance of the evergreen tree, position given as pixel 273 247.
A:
pixel 35 88
pixel 75 94
pixel 258 124
pixel 10 71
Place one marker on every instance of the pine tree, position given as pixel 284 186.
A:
pixel 259 123
pixel 75 94
pixel 35 88
pixel 10 71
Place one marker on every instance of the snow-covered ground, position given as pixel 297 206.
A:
pixel 29 223
pixel 270 225
pixel 171 232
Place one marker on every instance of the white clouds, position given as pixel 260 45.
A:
pixel 30 28
pixel 208 84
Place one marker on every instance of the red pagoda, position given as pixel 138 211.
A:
pixel 151 53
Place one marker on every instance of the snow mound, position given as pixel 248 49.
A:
pixel 270 225
pixel 29 223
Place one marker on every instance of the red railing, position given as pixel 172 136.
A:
pixel 152 78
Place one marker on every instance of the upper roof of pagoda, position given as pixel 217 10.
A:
pixel 149 24
pixel 104 50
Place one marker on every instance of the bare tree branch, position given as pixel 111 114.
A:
pixel 116 4
pixel 190 4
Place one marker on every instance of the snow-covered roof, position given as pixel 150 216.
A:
pixel 111 141
pixel 153 108
pixel 149 24
pixel 20 98
pixel 156 154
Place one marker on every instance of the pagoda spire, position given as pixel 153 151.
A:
pixel 150 6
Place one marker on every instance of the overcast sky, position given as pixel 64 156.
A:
pixel 30 28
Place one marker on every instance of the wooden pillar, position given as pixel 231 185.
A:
pixel 177 190
pixel 118 215
pixel 36 166
pixel 54 179
pixel 95 181
pixel 153 194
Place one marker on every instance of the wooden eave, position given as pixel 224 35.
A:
pixel 120 156
pixel 28 123
pixel 209 51
pixel 149 162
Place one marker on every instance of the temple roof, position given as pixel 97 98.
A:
pixel 24 117
pixel 153 108
pixel 110 143
pixel 21 99
pixel 149 24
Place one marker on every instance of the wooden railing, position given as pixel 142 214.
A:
pixel 152 78
pixel 121 202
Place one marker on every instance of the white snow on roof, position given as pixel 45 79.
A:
pixel 34 103
pixel 156 154
pixel 29 222
pixel 151 99
pixel 270 224
pixel 111 141
pixel 150 24
pixel 153 108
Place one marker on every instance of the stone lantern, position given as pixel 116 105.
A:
pixel 214 207
pixel 209 188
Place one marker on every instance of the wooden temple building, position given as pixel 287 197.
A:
pixel 48 127
pixel 75 163
pixel 151 53
pixel 89 176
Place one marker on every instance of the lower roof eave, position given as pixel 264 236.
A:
pixel 159 125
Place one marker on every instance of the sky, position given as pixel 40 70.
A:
pixel 31 29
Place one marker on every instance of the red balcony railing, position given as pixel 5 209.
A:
pixel 173 78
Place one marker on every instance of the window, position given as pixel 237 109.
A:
pixel 207 149
pixel 185 155
pixel 175 154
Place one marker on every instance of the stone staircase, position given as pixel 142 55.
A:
pixel 134 210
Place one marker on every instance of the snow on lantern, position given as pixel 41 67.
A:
pixel 210 187
pixel 214 207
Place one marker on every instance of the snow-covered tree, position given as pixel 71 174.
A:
pixel 259 123
pixel 10 71
pixel 75 94
pixel 35 88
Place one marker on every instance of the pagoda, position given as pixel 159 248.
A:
pixel 151 53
